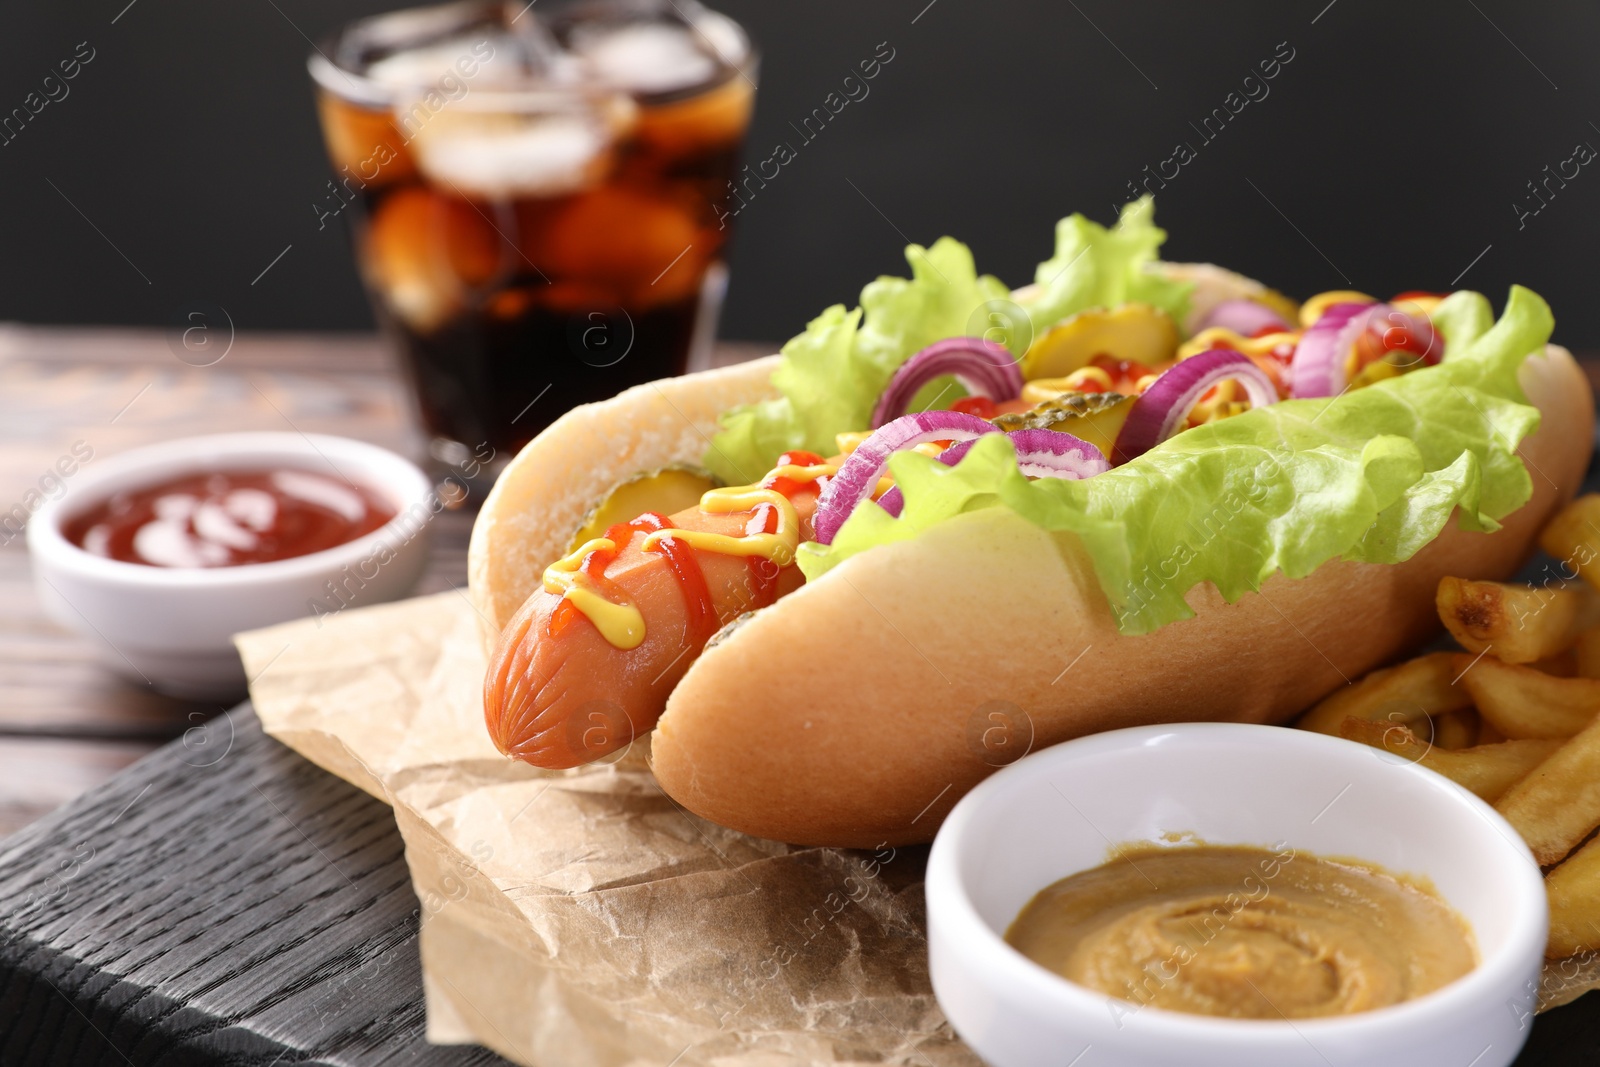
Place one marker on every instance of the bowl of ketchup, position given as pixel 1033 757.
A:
pixel 161 554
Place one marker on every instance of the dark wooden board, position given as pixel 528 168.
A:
pixel 221 902
pixel 225 902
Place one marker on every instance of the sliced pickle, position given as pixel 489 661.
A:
pixel 1093 417
pixel 1136 332
pixel 673 488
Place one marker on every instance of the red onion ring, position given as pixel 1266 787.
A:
pixel 982 367
pixel 1318 368
pixel 1160 410
pixel 1040 454
pixel 858 475
pixel 1387 318
pixel 1243 317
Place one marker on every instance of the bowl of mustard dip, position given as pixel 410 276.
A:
pixel 1216 894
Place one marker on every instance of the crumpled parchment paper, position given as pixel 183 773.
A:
pixel 581 917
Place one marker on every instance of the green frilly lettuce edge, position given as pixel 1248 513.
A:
pixel 1372 475
pixel 832 374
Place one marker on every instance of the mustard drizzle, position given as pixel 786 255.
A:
pixel 619 621
pixel 778 546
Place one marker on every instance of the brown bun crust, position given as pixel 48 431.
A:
pixel 854 711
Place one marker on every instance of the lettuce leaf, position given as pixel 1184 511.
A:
pixel 1372 475
pixel 833 373
pixel 1099 267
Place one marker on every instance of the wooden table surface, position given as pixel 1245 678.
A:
pixel 67 724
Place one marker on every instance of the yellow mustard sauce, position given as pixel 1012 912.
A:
pixel 799 475
pixel 778 546
pixel 1221 336
pixel 1245 933
pixel 620 621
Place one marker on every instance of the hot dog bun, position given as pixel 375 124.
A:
pixel 854 711
pixel 860 708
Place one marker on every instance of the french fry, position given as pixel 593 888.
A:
pixel 1487 734
pixel 1456 729
pixel 1558 803
pixel 1574 892
pixel 1573 537
pixel 1562 664
pixel 1521 702
pixel 1407 693
pixel 1520 623
pixel 1487 770
pixel 1587 651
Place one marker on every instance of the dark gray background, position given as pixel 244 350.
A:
pixel 1391 150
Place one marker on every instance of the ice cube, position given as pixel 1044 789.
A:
pixel 646 57
pixel 425 250
pixel 545 156
pixel 723 36
pixel 426 65
pixel 704 122
pixel 363 142
pixel 639 245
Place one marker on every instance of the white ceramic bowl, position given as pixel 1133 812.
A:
pixel 172 628
pixel 1059 811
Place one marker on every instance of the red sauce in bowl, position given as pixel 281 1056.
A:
pixel 229 519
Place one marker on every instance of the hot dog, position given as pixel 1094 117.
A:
pixel 1206 503
pixel 580 672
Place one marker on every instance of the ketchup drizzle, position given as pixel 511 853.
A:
pixel 680 557
pixel 763 572
pixel 685 565
pixel 789 486
pixel 691 576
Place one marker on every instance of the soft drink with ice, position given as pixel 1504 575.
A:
pixel 540 195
